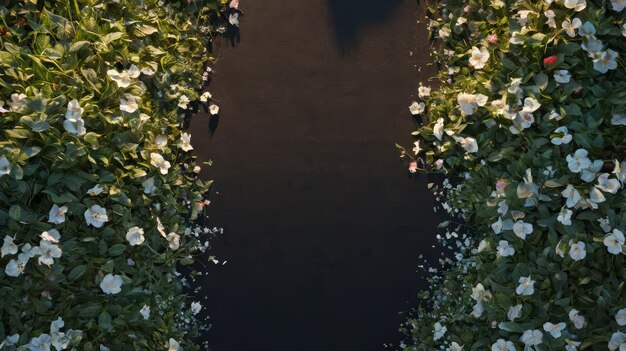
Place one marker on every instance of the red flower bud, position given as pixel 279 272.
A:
pixel 3 31
pixel 550 60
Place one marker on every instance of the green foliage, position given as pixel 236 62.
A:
pixel 554 195
pixel 70 146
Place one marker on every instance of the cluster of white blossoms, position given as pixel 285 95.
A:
pixel 44 342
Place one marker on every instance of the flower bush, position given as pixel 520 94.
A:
pixel 528 126
pixel 98 189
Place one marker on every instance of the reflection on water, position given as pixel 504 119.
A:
pixel 349 17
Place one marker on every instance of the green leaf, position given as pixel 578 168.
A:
pixel 77 272
pixel 144 30
pixel 15 212
pixel 40 126
pixel 117 250
pixel 89 311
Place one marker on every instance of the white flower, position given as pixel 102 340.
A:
pixel 605 61
pixel 608 185
pixel 205 96
pixel 503 208
pixel 618 5
pixel 185 142
pixel 574 317
pixel 148 186
pixel 563 136
pixel 234 19
pixel 565 216
pixel 40 343
pixel 417 108
pixel 554 329
pixel 497 226
pixel 96 216
pixel 57 214
pixel 468 144
pixel 5 166
pixel 438 129
pixel 570 27
pixel 550 18
pixel 562 76
pixel 124 78
pixel 503 345
pixel 173 345
pixel 196 307
pixel 145 312
pixel 532 337
pixel 74 111
pixel 12 339
pixel 455 347
pixel 514 312
pixel 48 251
pixel 618 119
pixel 595 197
pixel 620 317
pixel 576 5
pixel 504 249
pixel 111 284
pixel 614 242
pixel 577 251
pixel 51 235
pixel 439 164
pixel 439 331
pixel 173 240
pixel 514 87
pixel 183 100
pixel 159 162
pixel 423 91
pixel 572 195
pixel 129 104
pixel 477 310
pixel 417 147
pixel 76 127
pixel 521 229
pixel 160 141
pixel 571 345
pixel 531 105
pixel 469 103
pixel 2 109
pixel 214 109
pixel 18 101
pixel 96 190
pixel 618 341
pixel 135 236
pixel 482 245
pixel 525 287
pixel 479 57
pixel 578 161
pixel 479 293
pixel 15 267
pixel 9 247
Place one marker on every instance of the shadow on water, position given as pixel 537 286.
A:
pixel 349 17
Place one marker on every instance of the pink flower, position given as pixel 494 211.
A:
pixel 501 184
pixel 492 38
pixel 550 60
pixel 413 167
pixel 234 4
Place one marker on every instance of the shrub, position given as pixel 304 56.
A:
pixel 529 126
pixel 98 187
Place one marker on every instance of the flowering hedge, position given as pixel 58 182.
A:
pixel 98 187
pixel 529 126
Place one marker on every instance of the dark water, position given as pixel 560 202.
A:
pixel 323 226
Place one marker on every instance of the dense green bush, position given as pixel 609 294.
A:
pixel 529 126
pixel 98 188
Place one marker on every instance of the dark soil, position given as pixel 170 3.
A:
pixel 323 226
